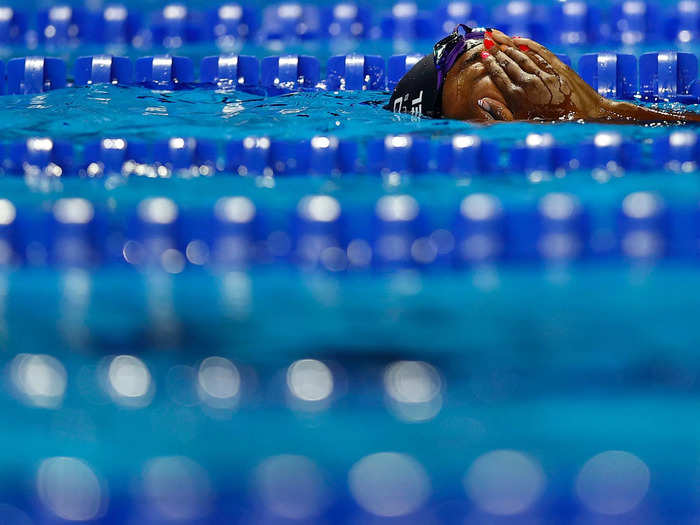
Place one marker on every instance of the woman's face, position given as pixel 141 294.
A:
pixel 469 93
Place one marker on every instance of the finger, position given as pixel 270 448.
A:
pixel 498 75
pixel 541 62
pixel 524 61
pixel 501 38
pixel 497 110
pixel 483 114
pixel 512 69
pixel 542 51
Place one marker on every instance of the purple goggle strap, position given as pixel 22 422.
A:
pixel 450 48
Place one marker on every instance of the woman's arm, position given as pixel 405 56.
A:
pixel 616 111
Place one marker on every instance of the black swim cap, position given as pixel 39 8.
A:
pixel 419 92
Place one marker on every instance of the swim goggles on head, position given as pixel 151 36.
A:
pixel 449 49
pixel 419 91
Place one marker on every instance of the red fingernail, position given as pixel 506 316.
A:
pixel 488 44
pixel 523 47
pixel 484 55
pixel 489 34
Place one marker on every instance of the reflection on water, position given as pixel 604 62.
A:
pixel 103 110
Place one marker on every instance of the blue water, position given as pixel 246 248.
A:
pixel 88 113
pixel 558 361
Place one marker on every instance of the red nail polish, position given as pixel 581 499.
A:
pixel 484 55
pixel 488 34
pixel 523 47
pixel 488 44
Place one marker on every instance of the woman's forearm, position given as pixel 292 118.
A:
pixel 627 112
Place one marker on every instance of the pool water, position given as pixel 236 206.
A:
pixel 318 368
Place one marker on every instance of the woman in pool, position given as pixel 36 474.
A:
pixel 485 75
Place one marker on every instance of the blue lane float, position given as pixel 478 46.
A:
pixel 576 22
pixel 283 157
pixel 355 73
pixel 669 76
pixel 140 157
pixel 466 155
pixel 539 153
pixel 665 76
pixel 61 25
pixel 249 156
pixel 103 69
pixel 39 154
pixel 230 234
pixel 230 71
pixel 152 233
pixel 74 233
pixel 522 18
pixel 321 231
pixel 684 22
pixel 175 25
pixel 407 22
pixel 9 234
pixel 397 225
pixel 679 151
pixel 114 24
pixel 609 151
pixel 570 23
pixel 612 75
pixel 164 72
pixel 319 156
pixel 636 21
pixel 479 230
pixel 282 74
pixel 460 155
pixel 230 23
pixel 398 154
pixel 35 75
pixel 560 228
pixel 460 12
pixel 317 229
pixel 327 155
pixel 106 156
pixel 347 20
pixel 186 154
pixel 291 20
pixel 13 25
pixel 642 226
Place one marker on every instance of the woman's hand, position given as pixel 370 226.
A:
pixel 519 79
pixel 536 84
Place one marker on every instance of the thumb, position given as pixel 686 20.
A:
pixel 496 109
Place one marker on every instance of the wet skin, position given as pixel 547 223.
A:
pixel 519 79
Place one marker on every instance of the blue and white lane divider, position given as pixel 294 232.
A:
pixel 321 231
pixel 570 23
pixel 659 76
pixel 605 154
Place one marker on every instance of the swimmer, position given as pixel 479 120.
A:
pixel 484 75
